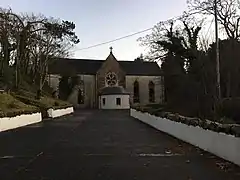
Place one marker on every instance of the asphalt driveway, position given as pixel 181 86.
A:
pixel 94 144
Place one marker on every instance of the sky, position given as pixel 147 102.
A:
pixel 98 21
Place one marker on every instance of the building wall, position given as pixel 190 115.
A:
pixel 53 81
pixel 110 65
pixel 143 88
pixel 89 90
pixel 110 102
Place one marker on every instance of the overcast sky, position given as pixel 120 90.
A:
pixel 99 21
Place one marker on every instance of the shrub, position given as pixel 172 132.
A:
pixel 155 106
pixel 56 103
pixel 230 108
pixel 203 123
pixel 12 105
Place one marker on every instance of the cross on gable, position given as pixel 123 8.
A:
pixel 111 48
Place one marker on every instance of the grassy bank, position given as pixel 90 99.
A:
pixel 10 106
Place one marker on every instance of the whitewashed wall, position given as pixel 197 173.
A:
pixel 143 88
pixel 220 144
pixel 8 123
pixel 110 102
pixel 59 112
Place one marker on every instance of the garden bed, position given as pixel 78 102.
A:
pixel 44 104
pixel 14 113
pixel 220 139
pixel 53 113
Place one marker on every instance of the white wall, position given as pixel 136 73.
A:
pixel 220 144
pixel 110 102
pixel 143 88
pixel 59 112
pixel 8 123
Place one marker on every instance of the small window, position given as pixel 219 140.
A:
pixel 118 101
pixel 104 101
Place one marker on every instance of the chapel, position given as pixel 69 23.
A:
pixel 109 83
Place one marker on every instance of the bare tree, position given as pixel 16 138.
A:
pixel 32 41
pixel 228 14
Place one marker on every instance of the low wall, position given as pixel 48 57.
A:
pixel 8 123
pixel 220 144
pixel 59 112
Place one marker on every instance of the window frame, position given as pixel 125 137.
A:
pixel 136 95
pixel 111 79
pixel 118 101
pixel 151 92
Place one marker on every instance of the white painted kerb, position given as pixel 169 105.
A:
pixel 59 112
pixel 220 144
pixel 8 123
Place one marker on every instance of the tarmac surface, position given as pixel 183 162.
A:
pixel 104 145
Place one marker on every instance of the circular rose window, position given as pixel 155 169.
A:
pixel 111 79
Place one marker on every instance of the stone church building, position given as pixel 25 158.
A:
pixel 142 81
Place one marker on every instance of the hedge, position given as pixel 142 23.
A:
pixel 231 129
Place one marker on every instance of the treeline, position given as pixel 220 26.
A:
pixel 28 43
pixel 188 60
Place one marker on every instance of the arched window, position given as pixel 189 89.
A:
pixel 151 91
pixel 136 98
pixel 80 96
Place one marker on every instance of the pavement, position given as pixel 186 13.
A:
pixel 104 145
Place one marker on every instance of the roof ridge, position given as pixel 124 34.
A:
pixel 78 59
pixel 90 66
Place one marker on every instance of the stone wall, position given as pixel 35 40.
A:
pixel 53 81
pixel 89 89
pixel 110 65
pixel 143 88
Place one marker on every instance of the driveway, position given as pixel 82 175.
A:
pixel 105 145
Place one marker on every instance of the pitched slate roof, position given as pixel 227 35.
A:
pixel 113 90
pixel 90 67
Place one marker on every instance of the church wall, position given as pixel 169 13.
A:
pixel 143 88
pixel 89 89
pixel 110 65
pixel 53 81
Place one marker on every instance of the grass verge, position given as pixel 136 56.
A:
pixel 10 106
